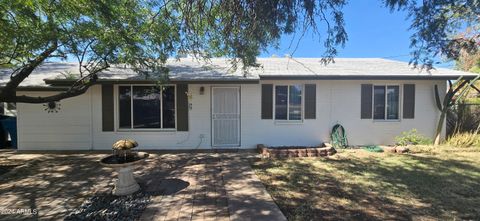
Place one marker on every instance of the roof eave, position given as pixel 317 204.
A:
pixel 67 82
pixel 364 77
pixel 42 88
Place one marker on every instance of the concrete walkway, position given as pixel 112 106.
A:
pixel 184 186
pixel 247 197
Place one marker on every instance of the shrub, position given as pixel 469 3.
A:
pixel 467 139
pixel 412 137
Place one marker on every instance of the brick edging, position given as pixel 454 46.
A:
pixel 295 152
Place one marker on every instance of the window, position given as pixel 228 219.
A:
pixel 386 102
pixel 288 102
pixel 146 107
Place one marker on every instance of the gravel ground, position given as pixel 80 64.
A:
pixel 105 206
pixel 6 168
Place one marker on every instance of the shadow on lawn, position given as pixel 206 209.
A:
pixel 437 187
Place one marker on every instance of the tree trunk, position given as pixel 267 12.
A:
pixel 438 132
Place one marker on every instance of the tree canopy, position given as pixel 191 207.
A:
pixel 145 33
pixel 469 62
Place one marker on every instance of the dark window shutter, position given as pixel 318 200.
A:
pixel 408 101
pixel 366 102
pixel 310 101
pixel 182 107
pixel 267 101
pixel 107 108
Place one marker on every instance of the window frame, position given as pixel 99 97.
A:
pixel 132 129
pixel 302 106
pixel 400 103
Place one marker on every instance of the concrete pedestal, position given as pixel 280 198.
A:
pixel 126 183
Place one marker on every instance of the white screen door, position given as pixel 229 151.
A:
pixel 225 116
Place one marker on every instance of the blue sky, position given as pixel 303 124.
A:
pixel 373 31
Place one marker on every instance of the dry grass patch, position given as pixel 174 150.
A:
pixel 359 185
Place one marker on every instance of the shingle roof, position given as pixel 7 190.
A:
pixel 220 69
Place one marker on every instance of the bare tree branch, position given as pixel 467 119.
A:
pixel 25 71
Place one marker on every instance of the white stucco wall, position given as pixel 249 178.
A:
pixel 70 128
pixel 78 125
pixel 339 102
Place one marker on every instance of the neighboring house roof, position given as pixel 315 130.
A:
pixel 220 69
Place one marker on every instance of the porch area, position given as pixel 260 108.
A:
pixel 180 185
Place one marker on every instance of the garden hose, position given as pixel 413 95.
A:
pixel 373 148
pixel 339 137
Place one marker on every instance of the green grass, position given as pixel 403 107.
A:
pixel 429 184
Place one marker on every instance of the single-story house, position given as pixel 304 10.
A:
pixel 285 101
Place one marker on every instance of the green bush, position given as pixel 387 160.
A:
pixel 467 139
pixel 472 100
pixel 412 137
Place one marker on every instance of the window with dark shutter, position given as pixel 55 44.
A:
pixel 149 107
pixel 310 101
pixel 386 102
pixel 267 101
pixel 408 101
pixel 146 107
pixel 288 102
pixel 366 101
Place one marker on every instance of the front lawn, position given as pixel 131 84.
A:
pixel 359 185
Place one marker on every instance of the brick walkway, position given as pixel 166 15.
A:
pixel 184 186
pixel 195 191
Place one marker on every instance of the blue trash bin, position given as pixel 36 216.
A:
pixel 10 125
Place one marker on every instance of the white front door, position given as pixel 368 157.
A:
pixel 225 116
